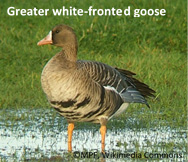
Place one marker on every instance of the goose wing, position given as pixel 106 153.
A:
pixel 118 80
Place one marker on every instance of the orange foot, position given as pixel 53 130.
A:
pixel 103 134
pixel 70 131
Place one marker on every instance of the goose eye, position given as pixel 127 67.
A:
pixel 57 31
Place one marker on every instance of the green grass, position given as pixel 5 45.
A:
pixel 152 47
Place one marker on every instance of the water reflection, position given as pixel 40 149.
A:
pixel 25 137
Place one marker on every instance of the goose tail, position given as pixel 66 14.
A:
pixel 131 95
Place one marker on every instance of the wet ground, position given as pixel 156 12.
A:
pixel 25 136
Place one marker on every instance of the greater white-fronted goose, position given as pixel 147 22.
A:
pixel 87 91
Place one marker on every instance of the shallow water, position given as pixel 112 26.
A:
pixel 27 136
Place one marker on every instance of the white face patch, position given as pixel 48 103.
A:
pixel 50 35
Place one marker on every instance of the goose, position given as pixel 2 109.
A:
pixel 87 91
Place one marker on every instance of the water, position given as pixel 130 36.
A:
pixel 26 134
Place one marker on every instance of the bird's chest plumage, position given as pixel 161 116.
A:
pixel 68 93
pixel 57 84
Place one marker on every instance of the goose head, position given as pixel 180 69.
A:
pixel 61 36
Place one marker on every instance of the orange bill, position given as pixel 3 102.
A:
pixel 46 40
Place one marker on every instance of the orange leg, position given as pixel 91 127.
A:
pixel 70 131
pixel 103 133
